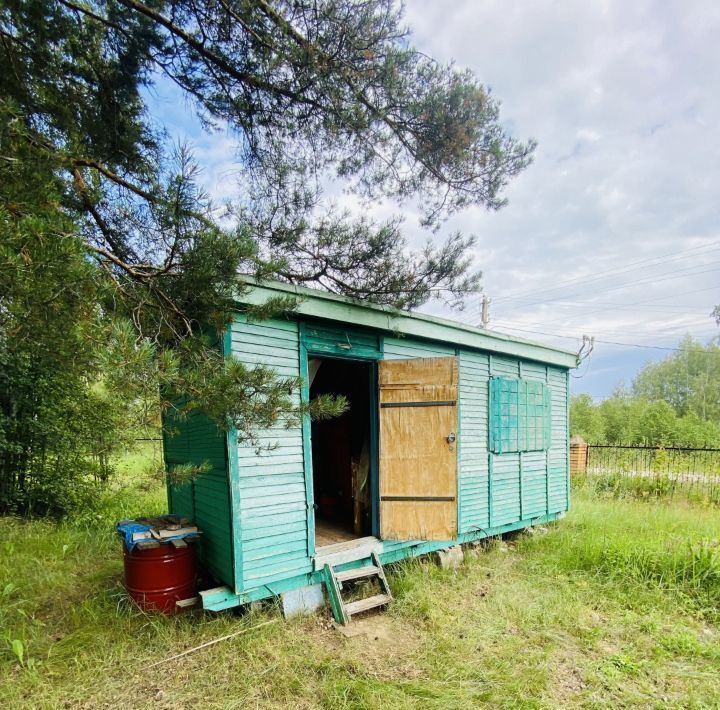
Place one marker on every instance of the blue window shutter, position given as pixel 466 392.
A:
pixel 519 415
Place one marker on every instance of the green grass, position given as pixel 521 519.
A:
pixel 617 605
pixel 704 492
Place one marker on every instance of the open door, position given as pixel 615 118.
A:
pixel 418 452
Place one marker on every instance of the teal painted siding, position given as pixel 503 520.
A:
pixel 270 492
pixel 473 454
pixel 505 489
pixel 499 489
pixel 558 467
pixel 207 499
pixel 535 463
pixel 270 488
pixel 519 415
pixel 350 342
pixel 176 451
pixel 254 506
pixel 314 304
pixel 532 483
pixel 405 348
pixel 534 477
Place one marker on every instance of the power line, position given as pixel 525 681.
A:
pixel 657 308
pixel 677 295
pixel 627 327
pixel 630 306
pixel 697 320
pixel 664 258
pixel 667 276
pixel 683 273
pixel 634 283
pixel 610 342
pixel 648 301
pixel 666 328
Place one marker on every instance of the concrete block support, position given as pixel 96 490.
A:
pixel 304 600
pixel 451 558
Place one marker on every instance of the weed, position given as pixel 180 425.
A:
pixel 682 643
pixel 621 663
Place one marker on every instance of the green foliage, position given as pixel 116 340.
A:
pixel 311 90
pixel 183 473
pixel 585 419
pixel 686 562
pixel 272 308
pixel 18 648
pixel 675 402
pixel 57 430
pixel 362 259
pixel 623 419
pixel 327 406
pixel 118 273
pixel 655 472
pixel 620 485
pixel 688 380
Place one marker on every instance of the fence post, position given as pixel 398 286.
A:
pixel 578 455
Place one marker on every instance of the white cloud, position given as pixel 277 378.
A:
pixel 624 100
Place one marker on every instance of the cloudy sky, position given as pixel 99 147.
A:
pixel 614 231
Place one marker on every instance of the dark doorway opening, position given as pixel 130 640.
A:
pixel 341 452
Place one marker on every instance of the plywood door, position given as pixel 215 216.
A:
pixel 418 448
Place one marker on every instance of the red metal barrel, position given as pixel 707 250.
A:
pixel 158 577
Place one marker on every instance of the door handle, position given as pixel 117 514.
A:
pixel 450 437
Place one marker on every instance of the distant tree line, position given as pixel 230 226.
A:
pixel 674 402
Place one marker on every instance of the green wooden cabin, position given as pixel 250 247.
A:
pixel 368 482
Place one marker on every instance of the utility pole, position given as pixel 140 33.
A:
pixel 485 311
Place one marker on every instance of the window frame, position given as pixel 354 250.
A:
pixel 519 415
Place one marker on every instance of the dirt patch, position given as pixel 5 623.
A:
pixel 375 639
pixel 567 682
pixel 374 627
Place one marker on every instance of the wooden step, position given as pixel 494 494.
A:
pixel 342 552
pixel 351 574
pixel 365 604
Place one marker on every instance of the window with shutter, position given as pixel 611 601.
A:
pixel 519 415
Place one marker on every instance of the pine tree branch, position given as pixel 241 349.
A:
pixel 94 16
pixel 110 175
pixel 383 116
pixel 243 77
pixel 90 207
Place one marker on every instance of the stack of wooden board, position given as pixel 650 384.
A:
pixel 165 528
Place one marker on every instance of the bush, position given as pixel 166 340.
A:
pixel 634 420
pixel 58 427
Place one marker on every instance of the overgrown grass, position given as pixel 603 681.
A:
pixel 669 545
pixel 661 486
pixel 615 606
pixel 136 489
pixel 641 472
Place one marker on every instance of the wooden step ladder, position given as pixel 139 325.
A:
pixel 343 611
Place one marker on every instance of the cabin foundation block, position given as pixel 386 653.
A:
pixel 304 600
pixel 451 558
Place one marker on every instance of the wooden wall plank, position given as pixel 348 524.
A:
pixel 206 500
pixel 473 474
pixel 272 508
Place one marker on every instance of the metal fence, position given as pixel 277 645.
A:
pixel 657 470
